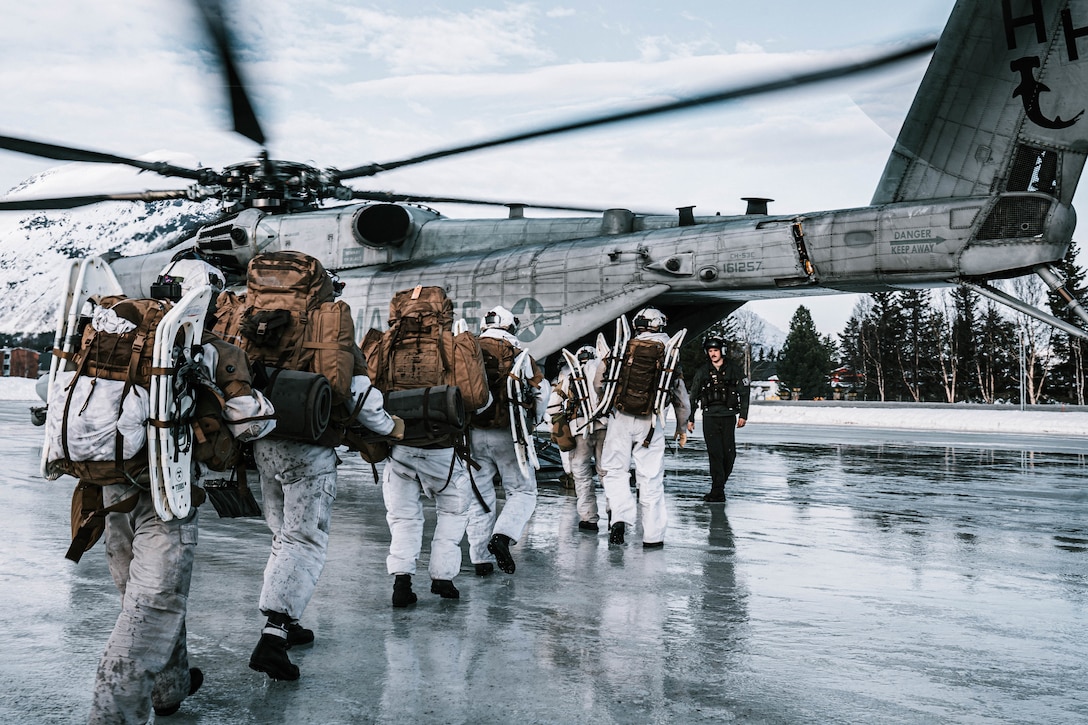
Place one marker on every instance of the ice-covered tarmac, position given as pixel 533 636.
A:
pixel 855 575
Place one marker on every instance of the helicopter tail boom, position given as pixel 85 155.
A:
pixel 1001 107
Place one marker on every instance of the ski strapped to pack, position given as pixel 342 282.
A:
pixel 668 374
pixel 520 402
pixel 584 396
pixel 613 366
pixel 177 360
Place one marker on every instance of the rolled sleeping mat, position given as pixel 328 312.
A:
pixel 303 403
pixel 437 404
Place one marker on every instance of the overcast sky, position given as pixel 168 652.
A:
pixel 340 83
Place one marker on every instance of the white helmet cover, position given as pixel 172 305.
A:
pixel 502 318
pixel 650 318
pixel 193 273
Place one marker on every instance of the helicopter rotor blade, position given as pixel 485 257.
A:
pixel 73 202
pixel 70 153
pixel 721 96
pixel 387 196
pixel 245 118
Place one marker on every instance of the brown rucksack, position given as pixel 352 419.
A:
pixel 213 443
pixel 291 320
pixel 288 319
pixel 105 355
pixel 126 356
pixel 419 350
pixel 229 309
pixel 640 376
pixel 498 358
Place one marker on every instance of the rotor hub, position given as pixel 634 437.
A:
pixel 274 186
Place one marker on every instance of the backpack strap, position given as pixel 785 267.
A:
pixel 68 406
pixel 92 521
pixel 290 358
pixel 143 330
pixel 650 433
pixel 461 449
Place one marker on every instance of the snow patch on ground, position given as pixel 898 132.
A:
pixel 19 389
pixel 1058 421
pixel 951 418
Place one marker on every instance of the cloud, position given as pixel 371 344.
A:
pixel 454 42
pixel 560 12
pixel 660 47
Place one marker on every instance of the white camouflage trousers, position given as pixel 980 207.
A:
pixel 433 472
pixel 622 444
pixel 585 458
pixel 298 484
pixel 145 661
pixel 494 451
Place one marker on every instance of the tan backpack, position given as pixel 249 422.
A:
pixel 229 309
pixel 288 319
pixel 640 376
pixel 126 356
pixel 291 320
pixel 419 350
pixel 498 358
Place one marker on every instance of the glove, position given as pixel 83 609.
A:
pixel 680 436
pixel 398 428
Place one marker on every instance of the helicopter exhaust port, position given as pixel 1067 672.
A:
pixel 757 205
pixel 383 225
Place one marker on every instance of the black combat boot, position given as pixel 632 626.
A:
pixel 403 596
pixel 616 532
pixel 297 635
pixel 445 589
pixel 196 679
pixel 270 654
pixel 499 546
pixel 716 495
pixel 485 568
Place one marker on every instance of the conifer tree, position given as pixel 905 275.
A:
pixel 996 362
pixel 914 346
pixel 1069 375
pixel 964 348
pixel 851 342
pixel 805 361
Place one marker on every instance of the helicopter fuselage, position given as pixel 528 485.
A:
pixel 567 278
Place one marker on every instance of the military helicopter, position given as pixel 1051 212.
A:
pixel 978 188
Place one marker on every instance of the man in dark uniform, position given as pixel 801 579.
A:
pixel 721 389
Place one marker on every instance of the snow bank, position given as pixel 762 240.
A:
pixel 19 389
pixel 974 419
pixel 951 417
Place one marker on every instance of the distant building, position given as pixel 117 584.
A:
pixel 846 383
pixel 764 389
pixel 19 362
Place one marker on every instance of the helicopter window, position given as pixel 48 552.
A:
pixel 859 238
pixel 1034 170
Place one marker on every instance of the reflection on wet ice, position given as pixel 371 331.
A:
pixel 846 579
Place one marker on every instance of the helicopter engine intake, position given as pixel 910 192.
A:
pixel 386 225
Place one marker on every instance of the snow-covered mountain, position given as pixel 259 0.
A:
pixel 35 246
pixel 773 337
